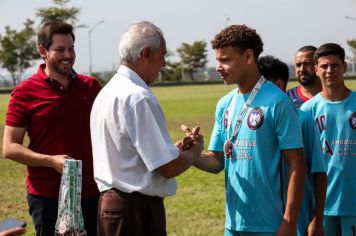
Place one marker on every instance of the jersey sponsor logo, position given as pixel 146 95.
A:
pixel 352 120
pixel 255 118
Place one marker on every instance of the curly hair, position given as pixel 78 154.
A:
pixel 239 37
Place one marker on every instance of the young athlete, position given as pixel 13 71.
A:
pixel 251 131
pixel 334 110
pixel 310 221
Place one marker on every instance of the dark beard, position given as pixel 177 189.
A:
pixel 60 71
pixel 308 82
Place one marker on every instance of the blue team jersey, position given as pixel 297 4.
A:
pixel 336 122
pixel 315 163
pixel 297 98
pixel 254 200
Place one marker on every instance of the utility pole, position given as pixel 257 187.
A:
pixel 227 21
pixel 353 59
pixel 90 53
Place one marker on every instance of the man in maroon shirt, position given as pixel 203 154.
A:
pixel 53 106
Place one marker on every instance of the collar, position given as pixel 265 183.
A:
pixel 299 92
pixel 133 76
pixel 51 81
pixel 41 72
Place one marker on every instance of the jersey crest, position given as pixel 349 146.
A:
pixel 352 120
pixel 255 118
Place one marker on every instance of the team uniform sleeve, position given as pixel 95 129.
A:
pixel 287 124
pixel 148 132
pixel 216 143
pixel 17 113
pixel 312 146
pixel 306 107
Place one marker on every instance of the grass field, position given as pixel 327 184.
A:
pixel 198 206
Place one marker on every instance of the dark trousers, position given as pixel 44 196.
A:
pixel 44 210
pixel 135 214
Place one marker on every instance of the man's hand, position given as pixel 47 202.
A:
pixel 315 228
pixel 13 232
pixel 287 229
pixel 57 162
pixel 192 137
pixel 189 150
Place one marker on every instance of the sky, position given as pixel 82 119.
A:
pixel 284 25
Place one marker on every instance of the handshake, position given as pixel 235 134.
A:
pixel 192 140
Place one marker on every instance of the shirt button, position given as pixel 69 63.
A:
pixel 51 80
pixel 61 87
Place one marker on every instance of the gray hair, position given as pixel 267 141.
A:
pixel 140 35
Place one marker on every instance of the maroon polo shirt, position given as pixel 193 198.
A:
pixel 57 121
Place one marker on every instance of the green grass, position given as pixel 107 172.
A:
pixel 198 206
pixel 12 181
pixel 4 98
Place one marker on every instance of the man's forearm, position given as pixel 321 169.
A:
pixel 295 192
pixel 320 182
pixel 178 165
pixel 212 162
pixel 23 155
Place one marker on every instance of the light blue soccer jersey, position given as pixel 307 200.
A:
pixel 336 123
pixel 315 163
pixel 253 185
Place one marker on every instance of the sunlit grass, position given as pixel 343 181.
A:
pixel 198 206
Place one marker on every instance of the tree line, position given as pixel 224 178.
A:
pixel 18 50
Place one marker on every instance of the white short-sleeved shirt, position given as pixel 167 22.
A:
pixel 130 137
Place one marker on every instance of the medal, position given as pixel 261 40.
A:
pixel 228 149
pixel 228 145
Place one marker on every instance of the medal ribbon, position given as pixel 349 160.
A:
pixel 243 112
pixel 70 218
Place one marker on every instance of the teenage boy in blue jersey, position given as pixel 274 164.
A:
pixel 310 221
pixel 252 156
pixel 309 83
pixel 334 110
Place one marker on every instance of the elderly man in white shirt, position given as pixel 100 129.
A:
pixel 134 158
